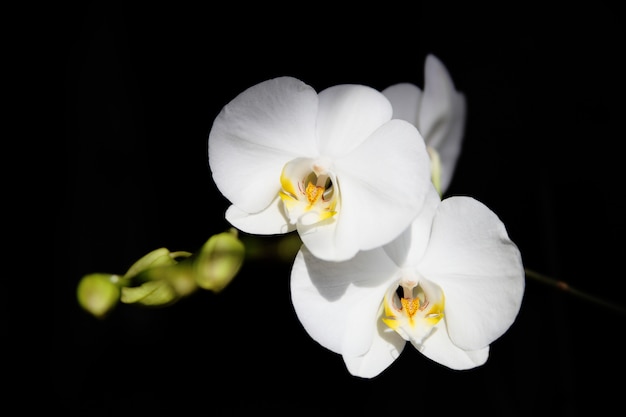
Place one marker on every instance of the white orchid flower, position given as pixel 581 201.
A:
pixel 450 286
pixel 332 165
pixel 438 112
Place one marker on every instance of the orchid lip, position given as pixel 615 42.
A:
pixel 413 306
pixel 309 190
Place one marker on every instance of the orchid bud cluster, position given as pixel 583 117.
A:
pixel 161 277
pixel 360 174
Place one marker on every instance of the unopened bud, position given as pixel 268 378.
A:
pixel 157 257
pixel 150 293
pixel 98 293
pixel 219 260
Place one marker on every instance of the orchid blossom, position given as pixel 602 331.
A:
pixel 450 286
pixel 332 165
pixel 438 112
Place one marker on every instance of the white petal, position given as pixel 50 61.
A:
pixel 436 108
pixel 479 268
pixel 270 221
pixel 439 348
pixel 321 240
pixel 450 148
pixel 348 115
pixel 442 116
pixel 387 345
pixel 256 134
pixel 328 297
pixel 408 249
pixel 383 185
pixel 405 100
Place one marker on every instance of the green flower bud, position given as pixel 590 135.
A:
pixel 157 257
pixel 181 278
pixel 159 279
pixel 219 260
pixel 150 293
pixel 98 293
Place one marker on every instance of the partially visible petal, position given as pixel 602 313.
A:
pixel 407 249
pixel 383 185
pixel 442 116
pixel 348 115
pixel 439 348
pixel 471 257
pixel 387 345
pixel 329 297
pixel 436 110
pixel 450 148
pixel 405 100
pixel 256 134
pixel 270 221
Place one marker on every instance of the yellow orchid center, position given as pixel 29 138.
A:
pixel 412 307
pixel 313 193
pixel 309 191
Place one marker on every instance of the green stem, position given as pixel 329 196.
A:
pixel 564 286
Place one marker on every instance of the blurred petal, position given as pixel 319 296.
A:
pixel 256 134
pixel 480 270
pixel 442 116
pixel 405 99
pixel 330 297
pixel 439 348
pixel 382 192
pixel 437 99
pixel 348 115
pixel 450 147
pixel 270 221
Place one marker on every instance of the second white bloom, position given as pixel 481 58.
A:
pixel 449 286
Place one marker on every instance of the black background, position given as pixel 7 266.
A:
pixel 543 149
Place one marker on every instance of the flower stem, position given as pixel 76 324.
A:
pixel 564 286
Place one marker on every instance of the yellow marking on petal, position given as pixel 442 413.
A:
pixel 435 313
pixel 389 312
pixel 287 185
pixel 392 323
pixel 327 214
pixel 390 316
pixel 289 200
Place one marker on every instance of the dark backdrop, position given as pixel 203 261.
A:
pixel 543 149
